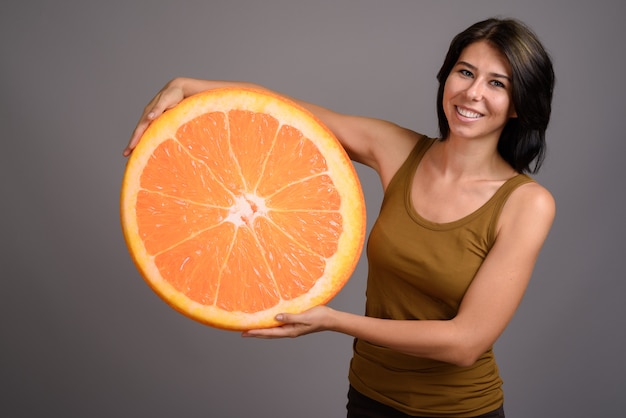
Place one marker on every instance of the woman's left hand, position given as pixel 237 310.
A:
pixel 294 325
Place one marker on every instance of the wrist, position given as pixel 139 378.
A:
pixel 333 320
pixel 187 86
pixel 177 82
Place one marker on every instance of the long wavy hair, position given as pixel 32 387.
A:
pixel 523 138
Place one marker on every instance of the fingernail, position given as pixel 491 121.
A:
pixel 279 317
pixel 151 115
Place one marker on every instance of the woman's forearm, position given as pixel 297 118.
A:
pixel 191 86
pixel 439 340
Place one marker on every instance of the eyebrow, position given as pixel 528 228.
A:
pixel 474 68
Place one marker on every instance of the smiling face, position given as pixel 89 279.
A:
pixel 477 93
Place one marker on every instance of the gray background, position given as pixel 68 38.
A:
pixel 83 336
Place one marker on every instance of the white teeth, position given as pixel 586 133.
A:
pixel 468 113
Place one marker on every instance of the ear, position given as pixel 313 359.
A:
pixel 512 112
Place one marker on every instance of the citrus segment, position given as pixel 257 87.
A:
pixel 246 283
pixel 318 230
pixel 166 222
pixel 188 264
pixel 206 138
pixel 279 166
pixel 296 268
pixel 251 155
pixel 237 205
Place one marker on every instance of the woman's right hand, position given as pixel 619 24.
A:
pixel 168 97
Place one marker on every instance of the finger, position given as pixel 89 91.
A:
pixel 146 118
pixel 135 137
pixel 278 332
pixel 164 100
pixel 149 114
pixel 291 318
pixel 291 327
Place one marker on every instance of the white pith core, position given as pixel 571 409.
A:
pixel 246 208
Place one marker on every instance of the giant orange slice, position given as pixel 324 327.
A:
pixel 239 204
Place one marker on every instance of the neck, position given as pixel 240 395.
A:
pixel 470 159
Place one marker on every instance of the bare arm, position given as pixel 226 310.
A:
pixel 485 311
pixel 378 144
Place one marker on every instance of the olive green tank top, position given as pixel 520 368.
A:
pixel 420 270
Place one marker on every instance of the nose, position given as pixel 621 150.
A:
pixel 474 91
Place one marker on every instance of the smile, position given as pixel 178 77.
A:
pixel 467 113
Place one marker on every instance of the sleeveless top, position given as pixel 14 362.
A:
pixel 420 270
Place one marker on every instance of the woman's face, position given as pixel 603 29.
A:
pixel 477 94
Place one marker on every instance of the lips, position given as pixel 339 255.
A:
pixel 468 113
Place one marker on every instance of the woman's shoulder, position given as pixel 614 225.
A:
pixel 394 147
pixel 531 205
pixel 533 195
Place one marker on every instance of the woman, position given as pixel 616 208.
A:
pixel 458 234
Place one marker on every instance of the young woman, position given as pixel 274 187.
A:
pixel 460 228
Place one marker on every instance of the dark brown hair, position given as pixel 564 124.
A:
pixel 523 138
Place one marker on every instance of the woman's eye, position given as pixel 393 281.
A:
pixel 498 83
pixel 465 73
